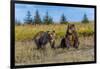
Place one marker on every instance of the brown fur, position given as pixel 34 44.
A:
pixel 71 37
pixel 42 38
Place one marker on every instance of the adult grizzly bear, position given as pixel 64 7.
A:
pixel 42 38
pixel 71 37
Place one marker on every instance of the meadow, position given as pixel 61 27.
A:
pixel 27 53
pixel 27 32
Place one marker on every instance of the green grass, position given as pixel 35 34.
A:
pixel 27 32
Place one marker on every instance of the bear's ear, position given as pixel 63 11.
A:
pixel 73 25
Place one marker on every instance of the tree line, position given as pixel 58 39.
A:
pixel 46 19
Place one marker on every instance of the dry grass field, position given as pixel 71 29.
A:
pixel 27 53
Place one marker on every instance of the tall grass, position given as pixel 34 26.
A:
pixel 27 32
pixel 26 52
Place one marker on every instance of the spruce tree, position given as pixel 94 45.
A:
pixel 50 20
pixel 28 19
pixel 47 19
pixel 85 19
pixel 63 19
pixel 37 19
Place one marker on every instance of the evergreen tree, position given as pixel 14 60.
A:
pixel 28 19
pixel 85 19
pixel 63 19
pixel 37 19
pixel 47 19
pixel 50 20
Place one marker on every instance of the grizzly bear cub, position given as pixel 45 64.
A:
pixel 71 37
